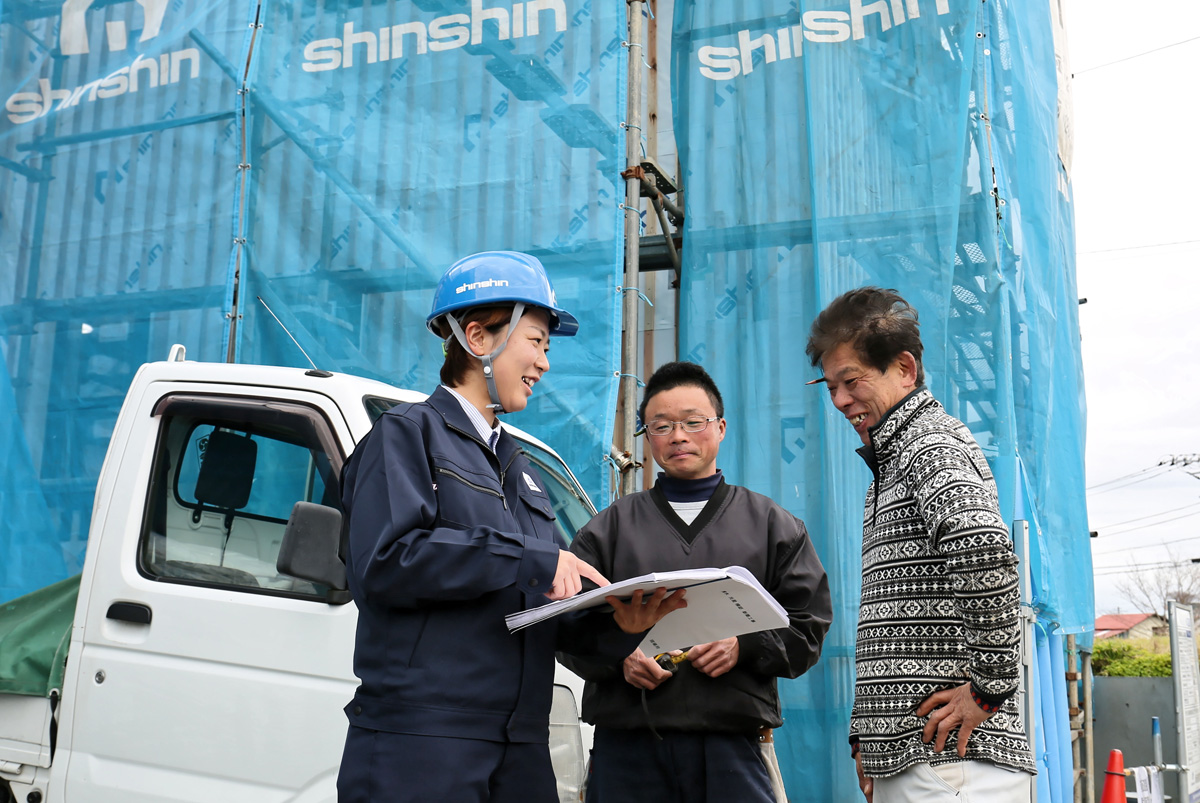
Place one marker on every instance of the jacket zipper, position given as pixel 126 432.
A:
pixel 503 470
pixel 476 486
pixel 507 466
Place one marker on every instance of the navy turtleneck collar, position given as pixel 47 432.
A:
pixel 678 490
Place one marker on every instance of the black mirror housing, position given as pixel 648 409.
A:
pixel 310 548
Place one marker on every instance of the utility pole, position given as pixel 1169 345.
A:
pixel 1182 461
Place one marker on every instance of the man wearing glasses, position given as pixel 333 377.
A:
pixel 692 728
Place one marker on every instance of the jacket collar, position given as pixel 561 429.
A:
pixel 883 434
pixel 456 418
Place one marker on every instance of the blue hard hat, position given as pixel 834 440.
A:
pixel 497 277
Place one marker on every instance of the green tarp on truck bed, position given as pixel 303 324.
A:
pixel 35 632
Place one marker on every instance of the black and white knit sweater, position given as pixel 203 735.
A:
pixel 940 597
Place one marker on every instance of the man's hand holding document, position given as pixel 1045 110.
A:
pixel 720 603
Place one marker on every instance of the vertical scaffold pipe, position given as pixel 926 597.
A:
pixel 1089 777
pixel 631 309
pixel 1076 719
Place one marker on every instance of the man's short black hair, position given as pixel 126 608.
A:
pixel 679 374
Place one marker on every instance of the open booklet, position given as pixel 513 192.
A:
pixel 721 603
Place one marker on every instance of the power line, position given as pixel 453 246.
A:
pixel 1109 571
pixel 1180 461
pixel 1140 471
pixel 1134 56
pixel 1131 482
pixel 1140 518
pixel 1155 524
pixel 1180 540
pixel 1137 247
pixel 1160 543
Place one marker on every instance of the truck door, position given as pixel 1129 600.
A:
pixel 204 673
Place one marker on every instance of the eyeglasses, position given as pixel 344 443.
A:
pixel 660 428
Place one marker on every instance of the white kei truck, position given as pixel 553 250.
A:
pixel 205 652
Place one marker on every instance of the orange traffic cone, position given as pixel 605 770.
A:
pixel 1114 779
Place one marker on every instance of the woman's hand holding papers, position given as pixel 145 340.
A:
pixel 638 615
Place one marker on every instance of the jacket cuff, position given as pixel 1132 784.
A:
pixel 539 563
pixel 750 651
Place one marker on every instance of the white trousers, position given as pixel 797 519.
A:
pixel 960 782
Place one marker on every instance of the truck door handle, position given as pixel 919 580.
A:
pixel 134 612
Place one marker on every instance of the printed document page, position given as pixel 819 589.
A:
pixel 721 603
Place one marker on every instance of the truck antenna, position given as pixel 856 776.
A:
pixel 315 370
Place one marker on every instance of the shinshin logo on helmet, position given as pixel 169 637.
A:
pixel 493 277
pixel 142 73
pixel 462 288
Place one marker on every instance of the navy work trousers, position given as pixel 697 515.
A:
pixel 630 765
pixel 379 767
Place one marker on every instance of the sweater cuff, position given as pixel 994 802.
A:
pixel 989 703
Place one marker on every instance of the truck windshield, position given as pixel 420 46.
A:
pixel 572 508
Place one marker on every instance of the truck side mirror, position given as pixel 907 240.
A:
pixel 310 548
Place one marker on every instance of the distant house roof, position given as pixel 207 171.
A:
pixel 1114 624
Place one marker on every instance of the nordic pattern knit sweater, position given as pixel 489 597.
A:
pixel 940 597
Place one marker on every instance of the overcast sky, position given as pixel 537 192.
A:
pixel 1136 178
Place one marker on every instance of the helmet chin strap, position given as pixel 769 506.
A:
pixel 487 359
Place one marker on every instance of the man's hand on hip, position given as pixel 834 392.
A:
pixel 864 783
pixel 957 710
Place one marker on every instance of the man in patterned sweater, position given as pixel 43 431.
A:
pixel 938 653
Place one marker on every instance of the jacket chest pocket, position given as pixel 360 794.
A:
pixel 466 498
pixel 537 513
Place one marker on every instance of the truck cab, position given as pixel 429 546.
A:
pixel 197 669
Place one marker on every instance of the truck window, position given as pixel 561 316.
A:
pixel 572 508
pixel 226 475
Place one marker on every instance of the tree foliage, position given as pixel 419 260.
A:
pixel 1122 658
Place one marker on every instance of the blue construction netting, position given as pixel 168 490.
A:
pixel 386 151
pixel 338 155
pixel 117 172
pixel 829 145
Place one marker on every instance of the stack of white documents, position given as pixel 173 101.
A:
pixel 721 603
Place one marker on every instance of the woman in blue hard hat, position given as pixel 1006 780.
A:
pixel 450 530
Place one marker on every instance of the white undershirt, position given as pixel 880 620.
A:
pixel 688 511
pixel 481 424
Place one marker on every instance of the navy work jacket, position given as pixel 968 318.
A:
pixel 445 539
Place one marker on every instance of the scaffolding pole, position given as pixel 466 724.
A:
pixel 1076 719
pixel 1089 756
pixel 631 286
